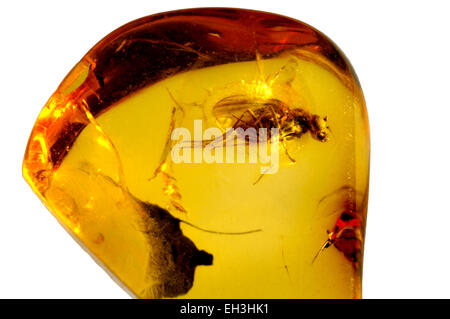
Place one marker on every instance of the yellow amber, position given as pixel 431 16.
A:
pixel 198 218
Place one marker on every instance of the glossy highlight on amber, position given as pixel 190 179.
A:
pixel 100 158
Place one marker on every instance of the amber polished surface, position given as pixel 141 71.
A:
pixel 200 217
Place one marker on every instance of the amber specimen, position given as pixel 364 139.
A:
pixel 101 158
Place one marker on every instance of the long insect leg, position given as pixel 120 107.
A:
pixel 325 245
pixel 239 119
pixel 283 143
pixel 248 124
pixel 204 143
pixel 282 139
pixel 260 176
pixel 257 120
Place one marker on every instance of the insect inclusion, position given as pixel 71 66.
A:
pixel 209 150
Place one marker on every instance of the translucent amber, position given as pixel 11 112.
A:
pixel 101 158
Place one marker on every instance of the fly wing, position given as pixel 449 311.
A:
pixel 237 111
pixel 240 109
pixel 223 141
pixel 236 103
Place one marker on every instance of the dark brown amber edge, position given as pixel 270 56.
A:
pixel 156 47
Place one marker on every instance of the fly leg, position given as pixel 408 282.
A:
pixel 258 122
pixel 261 176
pixel 239 119
pixel 328 243
pixel 281 137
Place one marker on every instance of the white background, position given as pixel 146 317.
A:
pixel 400 51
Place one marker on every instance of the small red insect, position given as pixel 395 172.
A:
pixel 346 235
